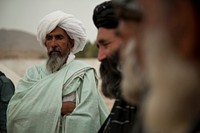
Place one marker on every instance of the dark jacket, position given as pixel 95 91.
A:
pixel 6 92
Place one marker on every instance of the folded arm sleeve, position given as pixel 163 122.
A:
pixel 87 115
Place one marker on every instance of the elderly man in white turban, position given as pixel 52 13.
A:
pixel 60 96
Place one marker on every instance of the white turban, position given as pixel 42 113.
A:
pixel 73 27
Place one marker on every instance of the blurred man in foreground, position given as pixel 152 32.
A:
pixel 134 83
pixel 173 62
pixel 167 49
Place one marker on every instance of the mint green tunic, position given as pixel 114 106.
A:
pixel 36 104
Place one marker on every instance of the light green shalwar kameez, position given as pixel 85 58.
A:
pixel 36 104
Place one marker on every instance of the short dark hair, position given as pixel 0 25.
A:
pixel 104 16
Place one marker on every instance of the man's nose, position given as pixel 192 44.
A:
pixel 53 42
pixel 101 55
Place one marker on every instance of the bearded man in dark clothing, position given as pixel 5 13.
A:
pixel 109 43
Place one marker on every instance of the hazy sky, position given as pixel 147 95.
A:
pixel 25 14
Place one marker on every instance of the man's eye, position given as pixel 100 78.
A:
pixel 48 37
pixel 59 37
pixel 106 44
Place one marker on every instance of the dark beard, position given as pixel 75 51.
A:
pixel 111 76
pixel 55 62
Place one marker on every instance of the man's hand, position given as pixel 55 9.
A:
pixel 67 107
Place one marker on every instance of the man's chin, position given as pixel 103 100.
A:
pixel 55 62
pixel 55 53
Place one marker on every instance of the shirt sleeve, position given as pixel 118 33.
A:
pixel 72 96
pixel 86 116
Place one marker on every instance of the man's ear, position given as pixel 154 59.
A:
pixel 72 43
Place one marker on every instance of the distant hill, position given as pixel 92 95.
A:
pixel 19 44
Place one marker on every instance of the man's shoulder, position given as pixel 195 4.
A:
pixel 79 64
pixel 119 101
pixel 80 67
pixel 7 88
pixel 1 73
pixel 4 79
pixel 36 68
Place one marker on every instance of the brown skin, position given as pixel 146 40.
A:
pixel 130 30
pixel 107 42
pixel 59 38
pixel 126 30
pixel 68 107
pixel 181 21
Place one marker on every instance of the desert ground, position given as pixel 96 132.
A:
pixel 15 69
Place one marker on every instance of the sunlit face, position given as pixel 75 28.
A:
pixel 58 45
pixel 107 42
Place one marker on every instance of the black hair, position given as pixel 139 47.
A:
pixel 104 16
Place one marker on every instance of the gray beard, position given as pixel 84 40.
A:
pixel 55 62
pixel 134 82
pixel 172 104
